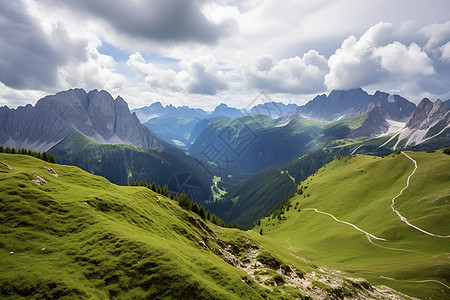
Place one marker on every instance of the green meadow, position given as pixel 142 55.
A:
pixel 79 236
pixel 69 234
pixel 359 190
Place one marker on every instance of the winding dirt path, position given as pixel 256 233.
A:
pixel 369 235
pixel 402 218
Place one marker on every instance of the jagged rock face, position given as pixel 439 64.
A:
pixel 393 107
pixel 95 114
pixel 337 105
pixel 428 114
pixel 343 104
pixel 374 125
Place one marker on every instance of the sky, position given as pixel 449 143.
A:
pixel 202 53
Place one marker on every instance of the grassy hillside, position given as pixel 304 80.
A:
pixel 359 190
pixel 67 233
pixel 253 198
pixel 123 164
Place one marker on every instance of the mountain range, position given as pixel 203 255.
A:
pixel 344 158
pixel 180 126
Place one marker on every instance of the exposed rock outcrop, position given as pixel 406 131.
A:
pixel 95 114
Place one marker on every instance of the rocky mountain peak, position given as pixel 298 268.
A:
pixel 96 115
pixel 428 114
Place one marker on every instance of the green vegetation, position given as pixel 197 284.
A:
pixel 75 235
pixel 123 164
pixel 270 190
pixel 45 156
pixel 361 193
pixel 184 201
pixel 79 236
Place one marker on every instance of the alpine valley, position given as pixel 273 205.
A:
pixel 345 197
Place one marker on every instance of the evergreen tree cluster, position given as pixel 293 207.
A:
pixel 184 201
pixel 45 156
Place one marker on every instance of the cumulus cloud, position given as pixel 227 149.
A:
pixel 437 35
pixel 403 61
pixel 200 75
pixel 291 75
pixel 167 21
pixel 206 76
pixel 353 64
pixel 97 71
pixel 377 58
pixel 29 57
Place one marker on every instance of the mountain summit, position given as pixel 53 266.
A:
pixel 340 104
pixel 96 115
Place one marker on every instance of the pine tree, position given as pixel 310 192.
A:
pixel 2 149
pixel 165 191
pixel 44 156
pixel 184 201
pixel 201 212
pixel 194 207
pixel 13 151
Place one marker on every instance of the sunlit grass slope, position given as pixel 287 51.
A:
pixel 359 190
pixel 79 236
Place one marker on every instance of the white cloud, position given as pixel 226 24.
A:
pixel 216 49
pixel 404 62
pixel 98 71
pixel 155 77
pixel 292 75
pixel 200 75
pixel 445 50
pixel 378 60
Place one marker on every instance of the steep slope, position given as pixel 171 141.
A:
pixel 251 144
pixel 374 125
pixel 340 104
pixel 430 122
pixel 122 164
pixel 351 224
pixel 95 114
pixel 66 233
pixel 253 198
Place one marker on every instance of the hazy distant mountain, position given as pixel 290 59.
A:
pixel 176 125
pixel 251 144
pixel 224 111
pixel 272 109
pixel 157 110
pixel 447 102
pixel 95 114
